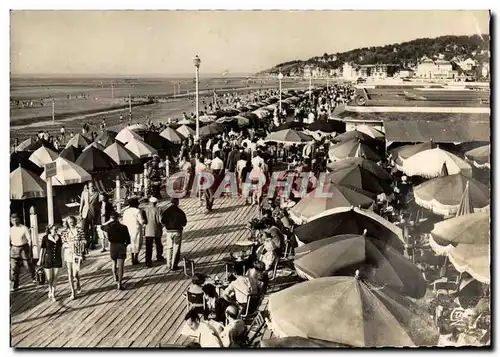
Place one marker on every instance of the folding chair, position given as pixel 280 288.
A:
pixel 188 263
pixel 194 301
pixel 252 303
pixel 255 329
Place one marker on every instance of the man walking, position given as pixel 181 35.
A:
pixel 174 220
pixel 153 232
pixel 89 211
pixel 119 239
pixel 20 251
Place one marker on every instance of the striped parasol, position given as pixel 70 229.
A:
pixel 479 157
pixel 79 141
pixel 140 149
pixel 429 163
pixel 68 173
pixel 24 185
pixel 43 156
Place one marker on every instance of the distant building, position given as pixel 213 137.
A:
pixel 439 69
pixel 406 73
pixel 307 72
pixel 468 65
pixel 377 71
pixel 485 70
pixel 349 72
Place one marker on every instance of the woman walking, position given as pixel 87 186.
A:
pixel 73 240
pixel 134 219
pixel 51 257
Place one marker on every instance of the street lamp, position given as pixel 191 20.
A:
pixel 280 77
pixel 197 62
pixel 310 86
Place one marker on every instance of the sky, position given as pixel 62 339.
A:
pixel 165 42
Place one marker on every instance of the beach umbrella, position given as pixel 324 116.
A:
pixel 79 141
pixel 224 120
pixel 121 155
pixel 241 121
pixel 349 220
pixel 357 135
pixel 327 126
pixel 402 153
pixel 371 132
pixel 479 157
pixel 137 127
pixel 379 263
pixel 365 164
pixel 262 113
pixel 230 112
pixel 442 195
pixel 68 173
pixel 211 130
pixel 43 156
pixel 95 145
pixel 172 135
pixel 186 122
pixel 252 106
pixel 352 148
pixel 252 116
pixel 22 158
pixel 156 141
pixel 272 107
pixel 328 197
pixel 106 138
pixel 288 125
pixel 473 259
pixel 94 161
pixel 359 178
pixel 25 144
pixel 288 136
pixel 429 163
pixel 141 149
pixel 38 144
pixel 126 135
pixel 25 184
pixel 70 153
pixel 298 342
pixel 185 131
pixel 207 118
pixel 472 228
pixel 350 311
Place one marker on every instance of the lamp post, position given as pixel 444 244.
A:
pixel 280 77
pixel 197 62
pixel 310 86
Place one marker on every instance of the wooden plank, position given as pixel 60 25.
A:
pixel 150 311
pixel 221 241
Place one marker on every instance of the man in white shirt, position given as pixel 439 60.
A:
pixel 20 251
pixel 207 334
pixel 217 164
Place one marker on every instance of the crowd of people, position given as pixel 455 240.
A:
pixel 215 314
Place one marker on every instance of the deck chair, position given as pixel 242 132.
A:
pixel 256 328
pixel 274 269
pixel 194 301
pixel 251 304
pixel 188 263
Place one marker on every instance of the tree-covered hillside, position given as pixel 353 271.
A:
pixel 404 54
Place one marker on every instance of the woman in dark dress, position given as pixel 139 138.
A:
pixel 51 257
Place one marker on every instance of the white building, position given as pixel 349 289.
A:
pixel 425 68
pixel 468 64
pixel 349 72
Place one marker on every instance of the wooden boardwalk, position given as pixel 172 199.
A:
pixel 149 311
